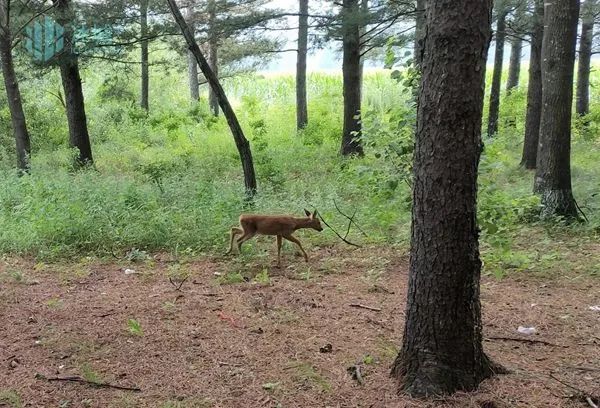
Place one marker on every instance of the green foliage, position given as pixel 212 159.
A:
pixel 89 374
pixel 231 278
pixel 10 398
pixel 134 327
pixel 263 277
pixel 171 180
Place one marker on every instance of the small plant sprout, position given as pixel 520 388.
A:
pixel 134 327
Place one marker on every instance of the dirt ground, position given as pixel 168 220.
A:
pixel 218 342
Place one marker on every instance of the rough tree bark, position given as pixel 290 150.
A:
pixel 419 32
pixel 242 144
pixel 514 66
pixel 582 99
pixel 553 174
pixel 193 81
pixel 79 137
pixel 144 55
pixel 534 90
pixel 364 14
pixel 442 349
pixel 13 94
pixel 213 56
pixel 301 98
pixel 351 144
pixel 494 107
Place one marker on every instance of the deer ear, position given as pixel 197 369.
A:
pixel 308 214
pixel 315 214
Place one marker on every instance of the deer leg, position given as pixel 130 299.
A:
pixel 293 239
pixel 247 235
pixel 234 231
pixel 279 243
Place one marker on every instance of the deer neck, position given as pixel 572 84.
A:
pixel 302 223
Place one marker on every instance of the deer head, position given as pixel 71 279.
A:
pixel 314 220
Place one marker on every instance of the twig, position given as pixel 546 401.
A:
pixel 81 380
pixel 586 396
pixel 179 285
pixel 582 368
pixel 354 371
pixel 375 309
pixel 224 363
pixel 339 236
pixel 351 218
pixel 526 341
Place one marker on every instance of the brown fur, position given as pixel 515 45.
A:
pixel 282 226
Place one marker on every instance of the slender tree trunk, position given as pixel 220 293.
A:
pixel 582 100
pixel 351 144
pixel 241 142
pixel 79 137
pixel 442 350
pixel 193 77
pixel 553 175
pixel 192 64
pixel 514 67
pixel 13 95
pixel 301 98
pixel 419 32
pixel 494 108
pixel 144 46
pixel 213 55
pixel 364 13
pixel 534 90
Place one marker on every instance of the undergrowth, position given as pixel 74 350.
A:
pixel 171 180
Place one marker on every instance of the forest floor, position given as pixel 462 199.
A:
pixel 223 341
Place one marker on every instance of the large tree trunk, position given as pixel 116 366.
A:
pixel 79 137
pixel 144 48
pixel 301 98
pixel 351 144
pixel 494 107
pixel 13 95
pixel 534 90
pixel 419 32
pixel 553 175
pixel 514 67
pixel 442 349
pixel 213 55
pixel 241 142
pixel 582 100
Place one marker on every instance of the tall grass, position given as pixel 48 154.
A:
pixel 172 180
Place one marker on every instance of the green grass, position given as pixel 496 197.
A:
pixel 172 181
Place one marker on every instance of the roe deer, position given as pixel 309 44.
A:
pixel 280 225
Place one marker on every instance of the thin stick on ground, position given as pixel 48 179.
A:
pixel 358 305
pixel 586 396
pixel 530 341
pixel 81 380
pixel 178 285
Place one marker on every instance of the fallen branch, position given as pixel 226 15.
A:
pixel 81 380
pixel 530 341
pixel 178 286
pixel 350 218
pixel 375 309
pixel 336 233
pixel 224 363
pixel 355 373
pixel 584 395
